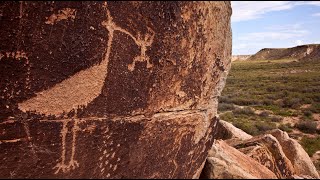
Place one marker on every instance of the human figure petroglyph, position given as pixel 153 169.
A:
pixel 143 43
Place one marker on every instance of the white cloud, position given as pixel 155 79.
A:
pixel 316 14
pixel 285 27
pixel 248 10
pixel 273 35
pixel 315 3
pixel 299 42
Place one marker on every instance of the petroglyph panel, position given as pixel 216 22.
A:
pixel 110 89
pixel 66 148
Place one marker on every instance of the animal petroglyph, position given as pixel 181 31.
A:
pixel 86 85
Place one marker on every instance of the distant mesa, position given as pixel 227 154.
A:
pixel 240 57
pixel 303 52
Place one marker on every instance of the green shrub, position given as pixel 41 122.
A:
pixel 244 101
pixel 225 107
pixel 245 111
pixel 267 102
pixel 311 145
pixel 285 127
pixel 265 126
pixel 247 127
pixel 291 102
pixel 307 113
pixel 227 116
pixel 276 118
pixel 264 114
pixel 225 99
pixel 307 126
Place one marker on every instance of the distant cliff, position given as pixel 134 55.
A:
pixel 304 52
pixel 239 57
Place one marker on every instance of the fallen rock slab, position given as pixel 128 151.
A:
pixel 227 130
pixel 266 150
pixel 226 162
pixel 299 158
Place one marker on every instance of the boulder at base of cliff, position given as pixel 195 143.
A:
pixel 226 130
pixel 266 150
pixel 226 162
pixel 298 156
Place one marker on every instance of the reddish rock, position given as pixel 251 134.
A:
pixel 226 162
pixel 226 131
pixel 110 90
pixel 299 158
pixel 266 150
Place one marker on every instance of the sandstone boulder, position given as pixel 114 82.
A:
pixel 266 150
pixel 298 156
pixel 301 177
pixel 93 89
pixel 226 130
pixel 226 162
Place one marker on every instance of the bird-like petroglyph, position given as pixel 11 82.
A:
pixel 86 85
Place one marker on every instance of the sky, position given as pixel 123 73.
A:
pixel 273 24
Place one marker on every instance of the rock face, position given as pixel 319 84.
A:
pixel 226 162
pixel 266 150
pixel 298 156
pixel 226 130
pixel 110 90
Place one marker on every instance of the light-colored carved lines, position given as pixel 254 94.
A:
pixel 72 164
pixel 12 140
pixel 19 55
pixel 62 166
pixel 63 14
pixel 108 154
pixel 104 162
pixel 86 85
pixel 143 43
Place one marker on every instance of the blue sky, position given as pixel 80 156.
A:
pixel 273 24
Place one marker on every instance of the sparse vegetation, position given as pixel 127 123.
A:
pixel 278 89
pixel 311 145
pixel 307 126
pixel 285 127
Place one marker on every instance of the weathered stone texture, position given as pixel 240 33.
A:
pixel 226 130
pixel 299 158
pixel 110 89
pixel 226 162
pixel 266 150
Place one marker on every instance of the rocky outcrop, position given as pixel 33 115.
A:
pixel 316 160
pixel 226 130
pixel 298 156
pixel 266 150
pixel 110 89
pixel 225 162
pixel 239 57
pixel 303 52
